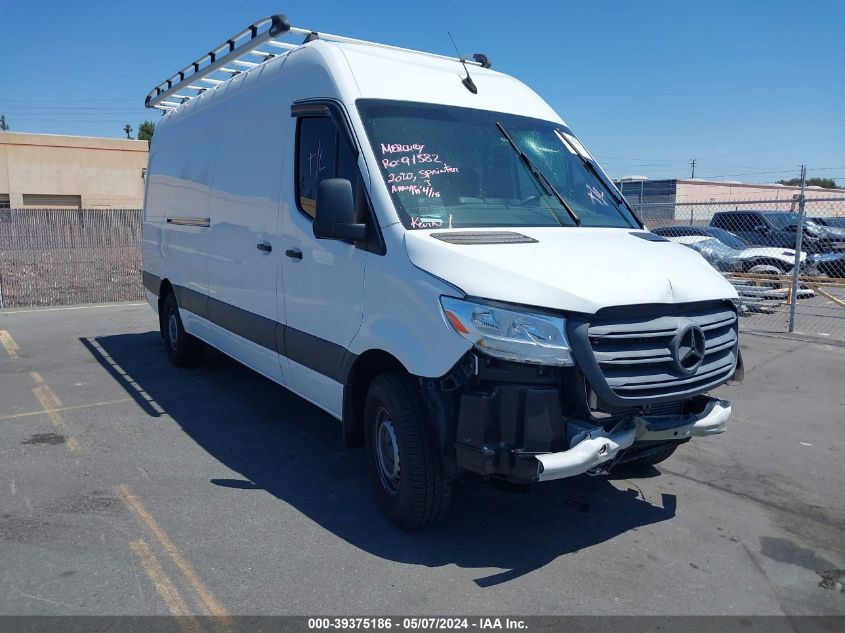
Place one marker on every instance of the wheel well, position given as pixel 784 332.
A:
pixel 767 261
pixel 366 367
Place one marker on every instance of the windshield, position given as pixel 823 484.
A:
pixel 726 237
pixel 787 220
pixel 450 167
pixel 836 222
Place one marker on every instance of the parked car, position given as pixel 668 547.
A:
pixel 750 257
pixel 831 237
pixel 722 257
pixel 436 262
pixel 777 229
pixel 825 245
pixel 752 293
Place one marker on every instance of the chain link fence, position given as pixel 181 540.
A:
pixel 756 244
pixel 66 256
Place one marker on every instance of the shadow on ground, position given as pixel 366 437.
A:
pixel 280 443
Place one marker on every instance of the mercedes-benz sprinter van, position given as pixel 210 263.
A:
pixel 420 246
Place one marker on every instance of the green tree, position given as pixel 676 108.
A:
pixel 146 131
pixel 128 129
pixel 3 125
pixel 827 183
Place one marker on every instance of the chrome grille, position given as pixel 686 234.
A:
pixel 634 355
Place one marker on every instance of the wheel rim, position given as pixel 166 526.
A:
pixel 173 330
pixel 387 452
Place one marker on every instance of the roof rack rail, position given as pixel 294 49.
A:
pixel 232 57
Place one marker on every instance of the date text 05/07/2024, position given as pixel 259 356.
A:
pixel 417 623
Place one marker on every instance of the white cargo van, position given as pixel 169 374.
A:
pixel 421 247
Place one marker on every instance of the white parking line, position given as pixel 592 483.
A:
pixel 63 308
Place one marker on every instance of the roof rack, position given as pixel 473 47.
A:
pixel 241 53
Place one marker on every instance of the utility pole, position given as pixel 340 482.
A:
pixel 692 162
pixel 796 266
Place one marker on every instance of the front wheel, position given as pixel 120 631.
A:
pixel 651 460
pixel 404 453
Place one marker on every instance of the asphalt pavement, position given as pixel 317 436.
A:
pixel 128 486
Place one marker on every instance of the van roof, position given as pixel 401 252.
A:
pixel 365 69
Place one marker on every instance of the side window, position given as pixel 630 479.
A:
pixel 321 154
pixel 729 222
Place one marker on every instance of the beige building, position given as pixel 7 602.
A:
pixel 47 170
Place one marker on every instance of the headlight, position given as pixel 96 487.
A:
pixel 518 336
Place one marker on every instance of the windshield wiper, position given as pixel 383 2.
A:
pixel 620 199
pixel 541 178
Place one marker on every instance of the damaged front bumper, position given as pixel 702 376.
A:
pixel 593 447
pixel 519 433
pixel 522 423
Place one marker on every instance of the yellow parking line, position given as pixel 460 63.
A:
pixel 50 403
pixel 205 596
pixel 75 407
pixel 165 587
pixel 9 344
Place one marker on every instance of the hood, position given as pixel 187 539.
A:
pixel 774 252
pixel 831 232
pixel 574 269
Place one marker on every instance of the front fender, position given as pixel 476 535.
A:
pixel 402 316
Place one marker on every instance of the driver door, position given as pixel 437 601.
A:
pixel 323 279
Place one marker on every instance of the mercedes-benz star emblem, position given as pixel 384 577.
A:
pixel 688 348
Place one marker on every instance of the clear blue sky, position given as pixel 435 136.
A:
pixel 744 87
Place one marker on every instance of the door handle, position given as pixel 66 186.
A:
pixel 294 253
pixel 264 247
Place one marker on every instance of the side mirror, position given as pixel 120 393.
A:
pixel 334 218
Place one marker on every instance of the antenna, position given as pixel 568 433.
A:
pixel 466 81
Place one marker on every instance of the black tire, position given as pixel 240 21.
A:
pixel 413 490
pixel 651 460
pixel 182 348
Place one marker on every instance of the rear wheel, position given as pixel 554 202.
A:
pixel 182 348
pixel 404 454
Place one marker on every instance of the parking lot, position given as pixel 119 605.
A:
pixel 128 486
